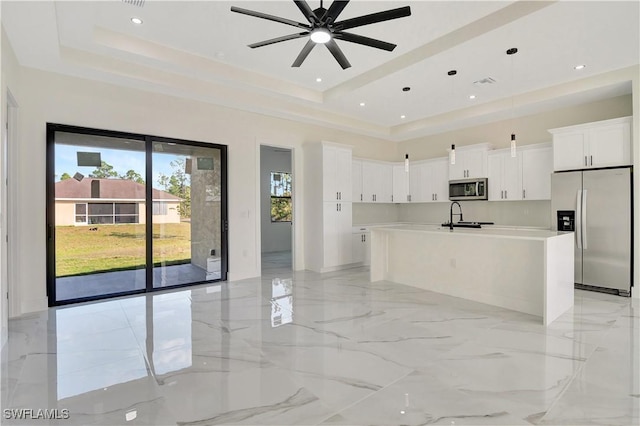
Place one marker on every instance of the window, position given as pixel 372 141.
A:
pixel 280 197
pixel 110 213
pixel 159 208
pixel 81 213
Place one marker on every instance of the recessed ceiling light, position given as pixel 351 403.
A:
pixel 136 21
pixel 361 103
pixel 403 116
pixel 472 96
pixel 579 67
pixel 319 80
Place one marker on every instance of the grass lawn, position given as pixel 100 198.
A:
pixel 117 247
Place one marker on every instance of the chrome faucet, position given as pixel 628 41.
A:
pixel 457 214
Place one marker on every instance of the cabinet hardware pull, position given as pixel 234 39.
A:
pixel 524 194
pixel 505 194
pixel 337 207
pixel 365 238
pixel 591 159
pixel 360 197
pixel 585 160
pixel 501 195
pixel 336 195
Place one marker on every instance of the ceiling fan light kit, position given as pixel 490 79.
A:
pixel 322 28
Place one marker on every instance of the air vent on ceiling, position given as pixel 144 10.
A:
pixel 138 3
pixel 482 82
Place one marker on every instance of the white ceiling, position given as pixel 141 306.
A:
pixel 199 50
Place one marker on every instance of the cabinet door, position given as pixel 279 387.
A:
pixel 415 182
pixel 475 162
pixel 512 176
pixel 330 173
pixel 440 179
pixel 494 180
pixel 370 178
pixel 400 184
pixel 343 174
pixel 568 151
pixel 609 146
pixel 344 237
pixel 356 181
pixel 357 248
pixel 386 184
pixel 457 170
pixel 537 166
pixel 331 233
pixel 337 233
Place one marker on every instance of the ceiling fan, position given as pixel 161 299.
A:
pixel 324 29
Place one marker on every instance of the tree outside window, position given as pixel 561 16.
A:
pixel 281 197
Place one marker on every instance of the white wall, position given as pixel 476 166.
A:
pixel 46 97
pixel 276 236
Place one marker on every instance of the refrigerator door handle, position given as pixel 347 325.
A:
pixel 583 220
pixel 578 224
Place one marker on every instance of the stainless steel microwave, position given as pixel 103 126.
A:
pixel 468 189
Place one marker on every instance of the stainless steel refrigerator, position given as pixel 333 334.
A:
pixel 597 206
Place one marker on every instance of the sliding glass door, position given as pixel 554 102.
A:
pixel 131 213
pixel 187 213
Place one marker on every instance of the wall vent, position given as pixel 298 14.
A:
pixel 138 3
pixel 482 82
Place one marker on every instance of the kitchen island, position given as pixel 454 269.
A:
pixel 525 270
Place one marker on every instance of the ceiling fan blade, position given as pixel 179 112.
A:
pixel 269 17
pixel 366 41
pixel 337 53
pixel 373 18
pixel 304 53
pixel 278 40
pixel 306 11
pixel 334 10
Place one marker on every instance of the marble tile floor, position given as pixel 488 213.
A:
pixel 300 348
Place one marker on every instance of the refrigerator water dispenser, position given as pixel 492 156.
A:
pixel 566 220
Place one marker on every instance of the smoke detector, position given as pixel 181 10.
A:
pixel 484 81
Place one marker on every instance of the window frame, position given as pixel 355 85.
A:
pixel 273 197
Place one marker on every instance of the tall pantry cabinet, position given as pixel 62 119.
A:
pixel 328 197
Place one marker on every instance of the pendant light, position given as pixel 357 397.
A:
pixel 512 52
pixel 406 163
pixel 452 153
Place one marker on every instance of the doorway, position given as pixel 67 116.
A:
pixel 130 213
pixel 276 208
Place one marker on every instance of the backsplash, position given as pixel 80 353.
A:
pixel 510 213
pixel 369 213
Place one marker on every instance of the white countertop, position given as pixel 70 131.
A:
pixel 486 231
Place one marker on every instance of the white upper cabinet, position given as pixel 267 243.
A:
pixel 505 176
pixel 377 182
pixel 417 183
pixel 537 166
pixel 524 177
pixel 336 172
pixel 435 180
pixel 471 162
pixel 356 181
pixel 400 184
pixel 600 144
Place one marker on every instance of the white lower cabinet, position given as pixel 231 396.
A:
pixel 361 246
pixel 337 234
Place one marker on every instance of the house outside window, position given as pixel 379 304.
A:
pixel 281 206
